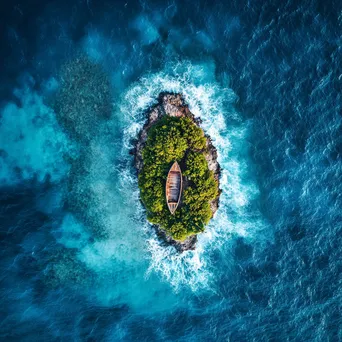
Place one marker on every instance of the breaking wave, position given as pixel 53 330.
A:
pixel 214 104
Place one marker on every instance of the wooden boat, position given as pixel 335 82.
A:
pixel 174 183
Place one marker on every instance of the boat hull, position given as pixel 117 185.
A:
pixel 174 184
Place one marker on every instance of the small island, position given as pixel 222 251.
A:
pixel 173 141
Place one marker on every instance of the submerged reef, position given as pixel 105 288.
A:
pixel 84 98
pixel 83 104
pixel 172 133
pixel 64 268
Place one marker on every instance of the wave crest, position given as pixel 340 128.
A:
pixel 213 102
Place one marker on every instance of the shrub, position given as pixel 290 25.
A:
pixel 177 139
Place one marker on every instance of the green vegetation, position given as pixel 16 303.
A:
pixel 177 139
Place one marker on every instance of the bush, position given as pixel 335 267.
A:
pixel 177 139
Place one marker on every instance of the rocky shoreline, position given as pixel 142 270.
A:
pixel 174 105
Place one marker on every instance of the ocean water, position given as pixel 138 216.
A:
pixel 79 261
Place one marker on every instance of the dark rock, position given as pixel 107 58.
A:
pixel 181 246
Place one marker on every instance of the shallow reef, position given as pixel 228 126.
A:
pixel 84 98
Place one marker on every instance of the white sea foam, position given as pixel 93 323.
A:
pixel 214 104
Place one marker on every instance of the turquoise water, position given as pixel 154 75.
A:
pixel 80 261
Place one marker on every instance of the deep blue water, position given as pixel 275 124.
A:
pixel 79 261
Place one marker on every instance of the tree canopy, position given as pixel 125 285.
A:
pixel 177 139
